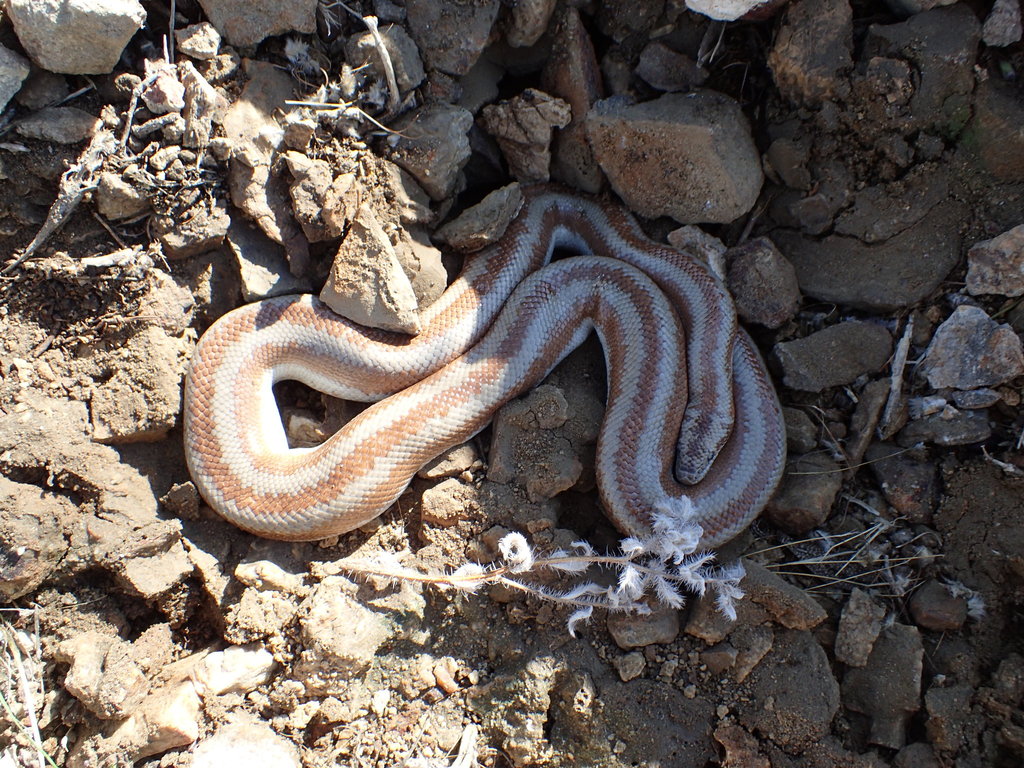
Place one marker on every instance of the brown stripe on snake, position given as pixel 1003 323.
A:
pixel 234 350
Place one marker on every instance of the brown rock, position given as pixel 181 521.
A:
pixel 785 604
pixel 572 74
pixel 523 126
pixel 812 50
pixel 448 503
pixel 935 607
pixel 997 265
pixel 805 496
pixel 361 49
pixel 528 20
pixel 433 145
pixel 834 356
pixel 763 283
pixel 630 630
pixel 859 627
pixel 485 222
pixel 668 70
pixel 31 540
pixel 888 687
pixel 910 484
pixel 689 157
pixel 249 22
pixel 950 726
pixel 451 36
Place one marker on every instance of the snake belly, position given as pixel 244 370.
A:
pixel 693 431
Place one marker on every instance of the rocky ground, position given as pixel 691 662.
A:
pixel 856 169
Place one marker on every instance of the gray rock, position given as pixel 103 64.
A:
pixel 432 144
pixel 200 41
pixel 801 431
pixel 970 350
pixel 997 265
pixel 887 689
pixel 201 228
pixel 795 676
pixel 405 56
pixel 261 263
pixel 976 398
pixel 834 356
pixel 630 630
pixel 948 427
pixel 882 211
pixel 523 127
pixel 254 745
pixel 13 71
pixel 805 496
pixel 859 627
pixel 910 484
pixel 63 125
pixel 689 157
pixel 247 22
pixel 75 37
pixel 312 182
pixel 762 282
pixel 950 727
pixel 788 158
pixel 668 70
pixel 885 276
pixel 784 603
pixel 42 89
pixel 934 606
pixel 942 45
pixel 1003 25
pixel 451 36
pixel 812 51
pixel 485 222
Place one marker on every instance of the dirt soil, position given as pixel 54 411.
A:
pixel 886 582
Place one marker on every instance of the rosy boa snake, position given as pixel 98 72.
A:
pixel 437 389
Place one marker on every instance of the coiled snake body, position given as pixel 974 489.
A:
pixel 692 432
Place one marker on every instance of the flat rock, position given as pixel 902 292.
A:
pixel 103 675
pixel 763 283
pixel 949 426
pixel 997 265
pixel 236 669
pixel 668 70
pixel 801 431
pixel 971 350
pixel 910 484
pixel 523 127
pixel 995 135
pixel 200 41
pixel 14 69
pixel 785 603
pixel 795 675
pixel 247 22
pixel 934 606
pixel 805 496
pixel 254 745
pixel 812 51
pixel 948 728
pixel 882 211
pixel 451 36
pixel 484 223
pixel 882 277
pixel 75 37
pixel 117 198
pixel 432 144
pixel 448 503
pixel 859 627
pixel 201 228
pixel 941 44
pixel 62 125
pixel 262 264
pixel 887 689
pixel 452 462
pixel 727 10
pixel 834 356
pixel 630 630
pixel 367 283
pixel 689 156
